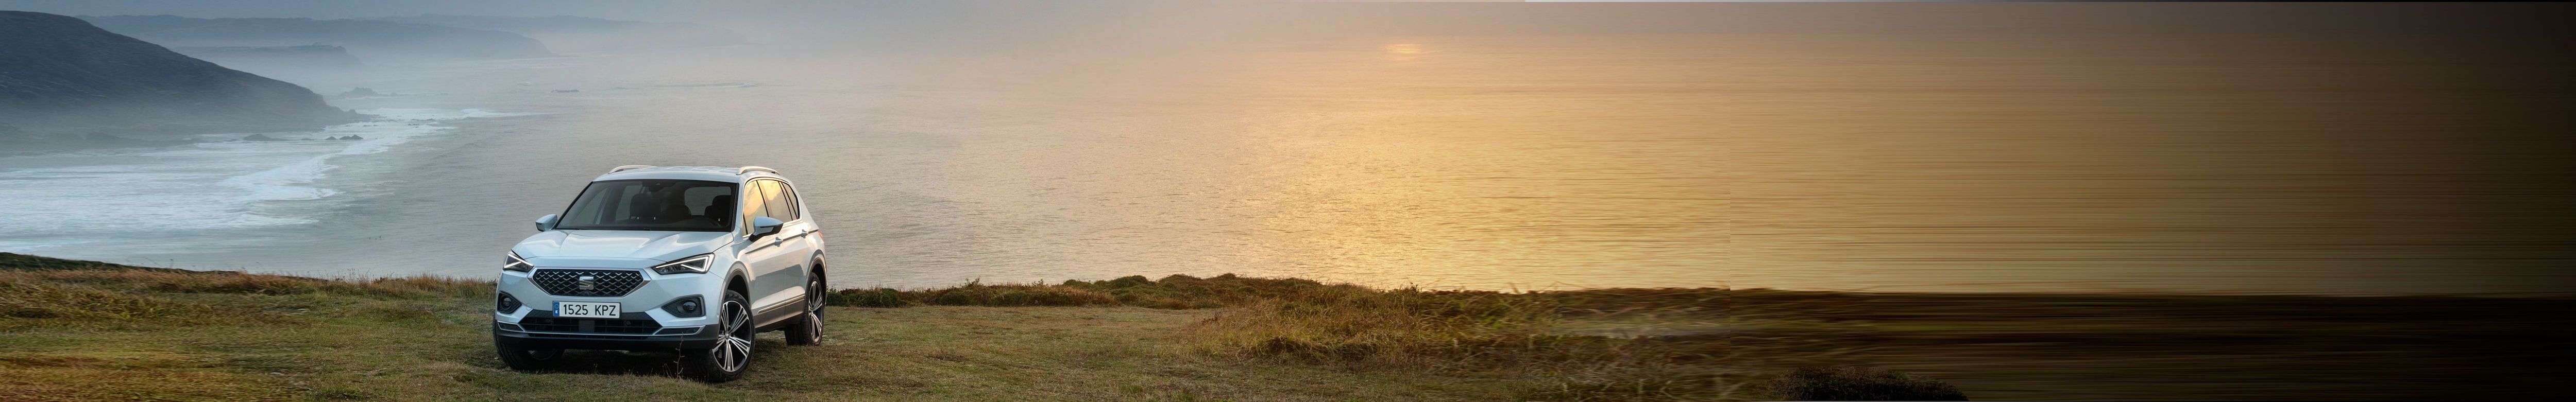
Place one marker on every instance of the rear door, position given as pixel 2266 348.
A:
pixel 798 237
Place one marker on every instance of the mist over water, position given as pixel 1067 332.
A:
pixel 1957 162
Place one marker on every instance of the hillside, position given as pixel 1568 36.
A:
pixel 63 80
pixel 371 40
pixel 581 34
pixel 83 330
pixel 317 65
pixel 318 57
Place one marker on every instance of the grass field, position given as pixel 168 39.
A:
pixel 75 330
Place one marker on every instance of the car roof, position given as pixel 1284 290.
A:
pixel 705 173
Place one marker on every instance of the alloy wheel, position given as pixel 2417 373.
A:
pixel 733 347
pixel 815 295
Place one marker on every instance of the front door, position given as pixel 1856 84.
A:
pixel 780 280
pixel 768 258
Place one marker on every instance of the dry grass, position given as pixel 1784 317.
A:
pixel 36 300
pixel 1172 292
pixel 1463 331
pixel 94 294
pixel 72 330
pixel 1859 384
pixel 1384 330
pixel 79 331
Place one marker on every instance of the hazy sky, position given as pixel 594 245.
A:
pixel 618 9
pixel 795 15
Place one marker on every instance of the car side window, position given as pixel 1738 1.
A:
pixel 779 207
pixel 752 204
pixel 795 208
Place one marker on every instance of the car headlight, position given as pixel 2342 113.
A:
pixel 514 263
pixel 696 264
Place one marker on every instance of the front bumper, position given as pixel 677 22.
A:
pixel 642 326
pixel 704 338
pixel 635 331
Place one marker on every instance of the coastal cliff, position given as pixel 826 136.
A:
pixel 370 40
pixel 317 57
pixel 64 80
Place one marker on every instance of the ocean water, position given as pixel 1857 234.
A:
pixel 2053 164
pixel 125 197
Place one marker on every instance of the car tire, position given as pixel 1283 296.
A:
pixel 809 329
pixel 527 359
pixel 732 351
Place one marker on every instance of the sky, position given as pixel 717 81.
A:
pixel 2516 35
pixel 1667 17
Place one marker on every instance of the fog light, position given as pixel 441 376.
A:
pixel 507 303
pixel 690 306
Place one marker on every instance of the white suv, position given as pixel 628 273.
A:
pixel 693 258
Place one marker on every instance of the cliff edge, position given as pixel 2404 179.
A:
pixel 61 77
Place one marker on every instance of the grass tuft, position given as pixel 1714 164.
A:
pixel 879 297
pixel 56 301
pixel 1395 328
pixel 1860 384
pixel 1511 334
pixel 1361 328
pixel 1176 292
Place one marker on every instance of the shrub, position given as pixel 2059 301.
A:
pixel 958 296
pixel 1128 282
pixel 879 297
pixel 1171 292
pixel 39 300
pixel 234 282
pixel 415 287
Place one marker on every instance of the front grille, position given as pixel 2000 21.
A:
pixel 644 326
pixel 602 283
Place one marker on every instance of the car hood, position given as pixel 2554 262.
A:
pixel 643 244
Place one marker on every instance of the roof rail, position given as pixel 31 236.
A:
pixel 749 169
pixel 628 167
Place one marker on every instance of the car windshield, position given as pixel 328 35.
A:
pixel 683 205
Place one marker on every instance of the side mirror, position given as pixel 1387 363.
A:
pixel 545 222
pixel 764 226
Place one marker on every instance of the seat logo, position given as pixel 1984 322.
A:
pixel 586 283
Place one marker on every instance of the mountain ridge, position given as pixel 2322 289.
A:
pixel 64 79
pixel 370 40
pixel 585 34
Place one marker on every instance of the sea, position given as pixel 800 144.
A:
pixel 1892 163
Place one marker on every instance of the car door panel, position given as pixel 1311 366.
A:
pixel 782 280
pixel 761 256
pixel 809 239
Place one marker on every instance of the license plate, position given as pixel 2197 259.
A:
pixel 591 310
